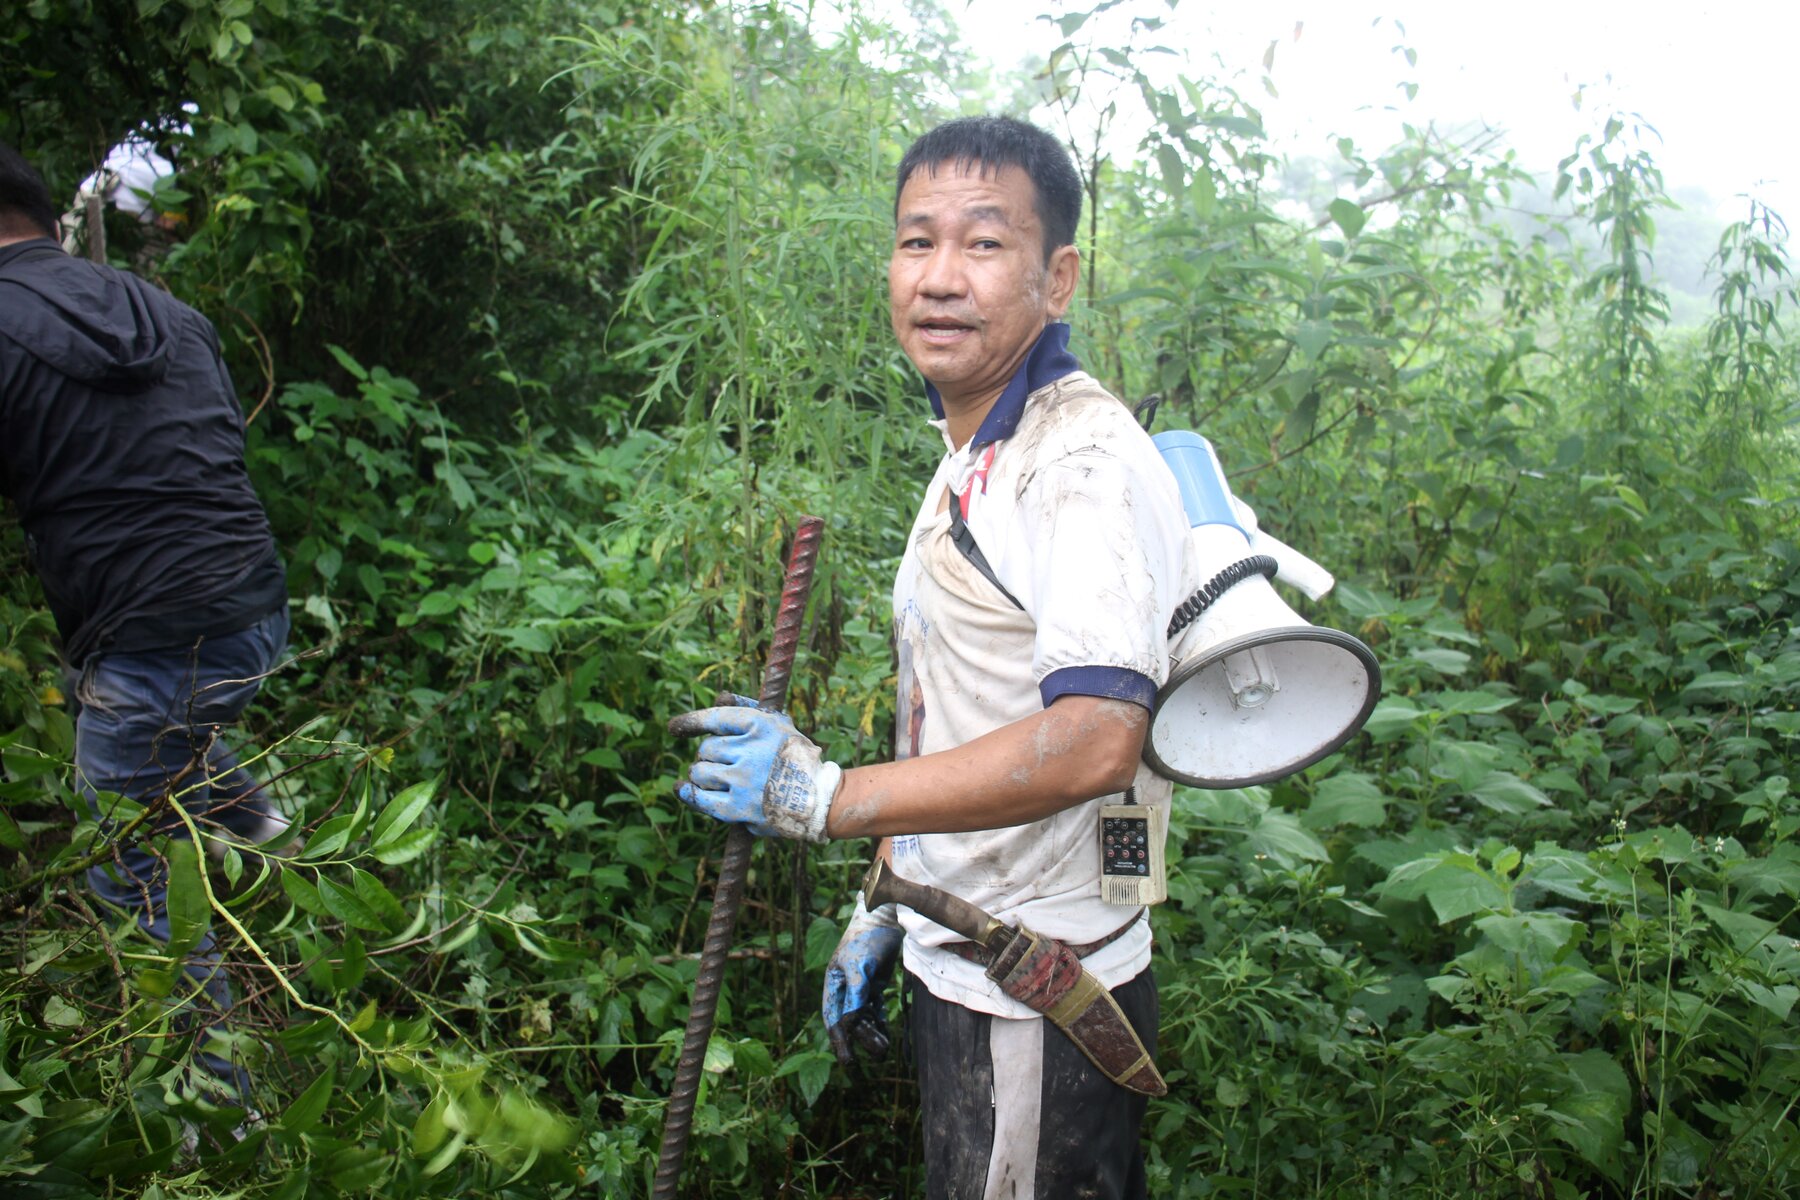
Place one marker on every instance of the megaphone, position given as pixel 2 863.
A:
pixel 1255 693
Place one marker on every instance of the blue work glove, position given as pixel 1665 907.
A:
pixel 755 769
pixel 855 1015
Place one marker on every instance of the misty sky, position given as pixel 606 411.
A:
pixel 1717 81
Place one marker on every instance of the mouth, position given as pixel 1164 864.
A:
pixel 942 329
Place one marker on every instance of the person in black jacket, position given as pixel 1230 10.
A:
pixel 122 448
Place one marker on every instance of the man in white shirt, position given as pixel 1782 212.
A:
pixel 1031 610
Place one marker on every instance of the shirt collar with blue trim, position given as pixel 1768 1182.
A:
pixel 1048 362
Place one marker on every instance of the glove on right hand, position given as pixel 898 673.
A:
pixel 855 979
pixel 755 769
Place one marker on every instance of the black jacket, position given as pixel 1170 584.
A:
pixel 122 444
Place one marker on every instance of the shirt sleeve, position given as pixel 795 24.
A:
pixel 1107 551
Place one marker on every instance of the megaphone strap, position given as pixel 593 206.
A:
pixel 1189 610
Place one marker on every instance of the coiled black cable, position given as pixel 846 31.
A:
pixel 1189 610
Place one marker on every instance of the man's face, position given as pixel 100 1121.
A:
pixel 968 288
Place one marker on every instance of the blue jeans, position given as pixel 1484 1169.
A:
pixel 150 723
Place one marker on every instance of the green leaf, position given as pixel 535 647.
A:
pixel 437 604
pixel 1447 987
pixel 1392 718
pixel 821 942
pixel 364 1020
pixel 430 1130
pixel 348 907
pixel 1242 126
pixel 1364 604
pixel 1778 1001
pixel 317 956
pixel 1348 216
pixel 811 1069
pixel 1449 629
pixel 1278 836
pixel 10 836
pixel 1452 882
pixel 190 915
pixel 1505 792
pixel 330 837
pixel 24 762
pixel 1745 931
pixel 458 936
pixel 60 1014
pixel 402 811
pixel 349 973
pixel 356 1170
pixel 1594 1101
pixel 1174 171
pixel 406 847
pixel 1566 979
pixel 552 949
pixel 1711 680
pixel 529 639
pixel 1311 337
pixel 1684 1151
pixel 77 1129
pixel 381 902
pixel 1472 703
pixel 1465 762
pixel 304 895
pixel 308 1106
pixel 1668 843
pixel 1441 659
pixel 1349 798
pixel 232 863
pixel 1535 937
pixel 557 600
pixel 349 364
pixel 1776 875
pixel 12 1091
pixel 359 818
pixel 603 756
pixel 445 1156
pixel 461 494
pixel 1565 873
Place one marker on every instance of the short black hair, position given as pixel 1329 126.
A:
pixel 993 143
pixel 24 197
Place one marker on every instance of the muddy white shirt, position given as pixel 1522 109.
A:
pixel 1082 524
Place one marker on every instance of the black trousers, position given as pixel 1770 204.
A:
pixel 1012 1109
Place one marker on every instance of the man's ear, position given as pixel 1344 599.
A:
pixel 1062 274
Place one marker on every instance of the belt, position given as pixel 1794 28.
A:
pixel 1041 973
pixel 981 956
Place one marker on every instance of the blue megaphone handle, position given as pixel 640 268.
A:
pixel 1204 493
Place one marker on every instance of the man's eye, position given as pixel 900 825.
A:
pixel 986 244
pixel 917 243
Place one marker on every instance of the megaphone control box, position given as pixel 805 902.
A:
pixel 1131 854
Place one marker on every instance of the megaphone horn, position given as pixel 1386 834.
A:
pixel 1255 692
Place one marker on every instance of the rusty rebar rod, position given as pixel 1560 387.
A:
pixel 678 1119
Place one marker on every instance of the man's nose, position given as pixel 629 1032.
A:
pixel 943 273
